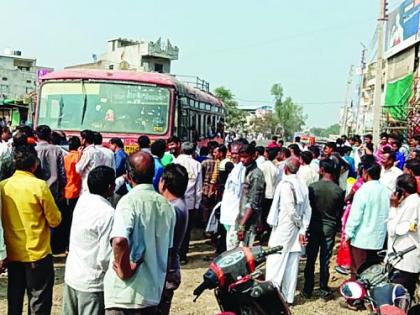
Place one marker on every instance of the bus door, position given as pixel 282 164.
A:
pixel 183 122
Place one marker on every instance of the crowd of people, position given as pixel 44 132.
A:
pixel 125 221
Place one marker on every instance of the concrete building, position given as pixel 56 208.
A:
pixel 126 54
pixel 18 75
pixel 18 83
pixel 362 122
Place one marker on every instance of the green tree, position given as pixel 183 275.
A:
pixel 331 130
pixel 266 124
pixel 317 132
pixel 234 117
pixel 289 114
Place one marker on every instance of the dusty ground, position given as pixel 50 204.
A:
pixel 191 277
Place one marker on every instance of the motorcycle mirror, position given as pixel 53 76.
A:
pixel 402 228
pixel 382 253
pixel 352 290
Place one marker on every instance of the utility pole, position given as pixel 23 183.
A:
pixel 361 84
pixel 377 106
pixel 344 128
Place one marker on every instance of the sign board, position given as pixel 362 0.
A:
pixel 42 72
pixel 402 29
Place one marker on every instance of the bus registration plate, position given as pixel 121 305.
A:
pixel 131 148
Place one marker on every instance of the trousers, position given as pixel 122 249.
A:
pixel 82 303
pixel 318 242
pixel 362 259
pixel 37 279
pixel 406 279
pixel 129 311
pixel 232 240
pixel 183 251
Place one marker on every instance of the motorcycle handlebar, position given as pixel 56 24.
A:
pixel 199 290
pixel 272 250
pixel 407 250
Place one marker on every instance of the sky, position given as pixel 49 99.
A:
pixel 246 46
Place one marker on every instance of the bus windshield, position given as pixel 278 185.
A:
pixel 104 107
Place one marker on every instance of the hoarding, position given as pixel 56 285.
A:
pixel 402 28
pixel 41 72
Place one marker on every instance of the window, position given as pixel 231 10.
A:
pixel 111 67
pixel 4 79
pixel 159 67
pixel 28 81
pixel 183 130
pixel 4 88
pixel 184 101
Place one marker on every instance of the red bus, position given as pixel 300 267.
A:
pixel 125 104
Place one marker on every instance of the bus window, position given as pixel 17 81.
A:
pixel 199 126
pixel 183 128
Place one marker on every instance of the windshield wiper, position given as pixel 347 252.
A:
pixel 60 117
pixel 84 102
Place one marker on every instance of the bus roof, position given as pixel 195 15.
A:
pixel 134 76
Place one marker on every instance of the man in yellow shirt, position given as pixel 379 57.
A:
pixel 28 213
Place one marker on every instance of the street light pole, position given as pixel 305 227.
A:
pixel 361 85
pixel 344 128
pixel 377 106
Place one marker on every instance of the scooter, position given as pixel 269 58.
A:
pixel 374 286
pixel 238 283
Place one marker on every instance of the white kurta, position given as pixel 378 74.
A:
pixel 289 216
pixel 407 213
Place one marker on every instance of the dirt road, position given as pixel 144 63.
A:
pixel 191 277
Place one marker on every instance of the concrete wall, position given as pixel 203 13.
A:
pixel 18 83
pixel 15 83
pixel 149 64
pixel 400 65
pixel 130 54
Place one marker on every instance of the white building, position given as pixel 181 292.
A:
pixel 126 54
pixel 18 75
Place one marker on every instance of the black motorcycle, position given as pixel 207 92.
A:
pixel 238 283
pixel 374 286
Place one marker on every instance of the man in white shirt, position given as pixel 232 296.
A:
pixel 5 141
pixel 108 153
pixel 3 253
pixel 231 198
pixel 260 155
pixel 89 158
pixel 306 173
pixel 403 231
pixel 390 172
pixel 280 161
pixel 193 193
pixel 316 152
pixel 270 172
pixel 144 144
pixel 90 250
pixel 289 216
pixel 300 145
pixel 6 158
